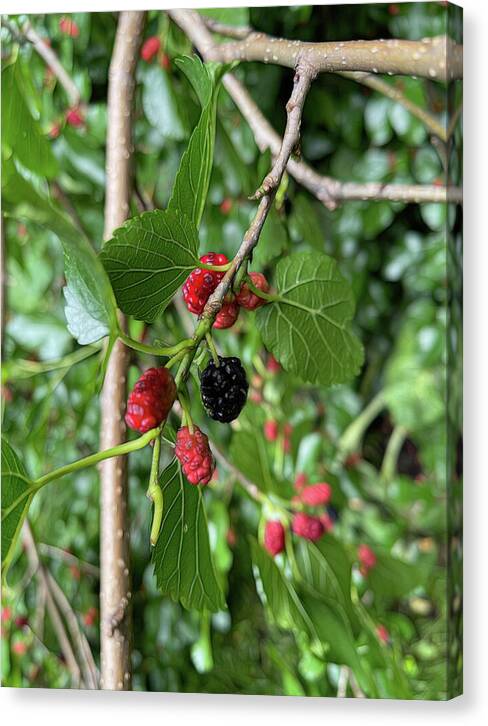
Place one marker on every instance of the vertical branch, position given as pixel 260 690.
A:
pixel 115 615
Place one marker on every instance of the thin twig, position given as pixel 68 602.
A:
pixel 69 558
pixel 327 190
pixel 239 32
pixel 53 62
pixel 302 81
pixel 249 486
pixel 454 120
pixel 342 683
pixel 55 617
pixel 85 657
pixel 395 94
pixel 367 79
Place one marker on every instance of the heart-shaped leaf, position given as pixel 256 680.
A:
pixel 308 328
pixel 148 259
pixel 90 304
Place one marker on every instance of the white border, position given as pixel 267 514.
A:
pixel 50 708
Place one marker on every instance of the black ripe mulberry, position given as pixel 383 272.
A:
pixel 224 389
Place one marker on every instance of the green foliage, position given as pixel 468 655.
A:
pixel 182 559
pixel 199 620
pixel 21 133
pixel 193 177
pixel 308 328
pixel 148 259
pixel 15 482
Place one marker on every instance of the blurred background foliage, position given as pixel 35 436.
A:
pixel 389 490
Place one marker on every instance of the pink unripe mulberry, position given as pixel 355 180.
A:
pixel 301 481
pixel 271 430
pixel 74 117
pixel 316 494
pixel 367 558
pixel 248 299
pixel 193 452
pixel 165 62
pixel 226 206
pixel 151 400
pixel 272 365
pixel 69 27
pixel 274 538
pixel 150 48
pixel 383 634
pixel 303 525
pixel 227 315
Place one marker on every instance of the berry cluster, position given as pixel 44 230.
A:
pixel 201 283
pixel 304 524
pixel 367 559
pixel 151 49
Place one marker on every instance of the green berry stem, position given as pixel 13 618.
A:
pixel 184 403
pixel 155 493
pixel 214 268
pixel 352 436
pixel 260 293
pixel 175 359
pixel 240 275
pixel 26 368
pixel 212 348
pixel 154 350
pixel 120 450
pixel 393 448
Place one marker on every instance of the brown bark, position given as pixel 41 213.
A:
pixel 329 191
pixel 115 594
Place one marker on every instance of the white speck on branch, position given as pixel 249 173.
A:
pixel 426 58
pixel 327 190
pixel 52 61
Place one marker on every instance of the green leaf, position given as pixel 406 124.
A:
pixel 415 373
pixel 391 578
pixel 21 133
pixel 272 241
pixel 160 105
pixel 193 177
pixel 322 620
pixel 90 304
pixel 334 629
pixel 148 259
pixel 280 596
pixel 305 223
pixel 326 570
pixel 308 328
pixel 248 453
pixel 199 76
pixel 229 16
pixel 182 559
pixel 15 481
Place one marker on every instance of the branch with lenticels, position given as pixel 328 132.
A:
pixel 426 58
pixel 266 193
pixel 327 190
pixel 307 63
